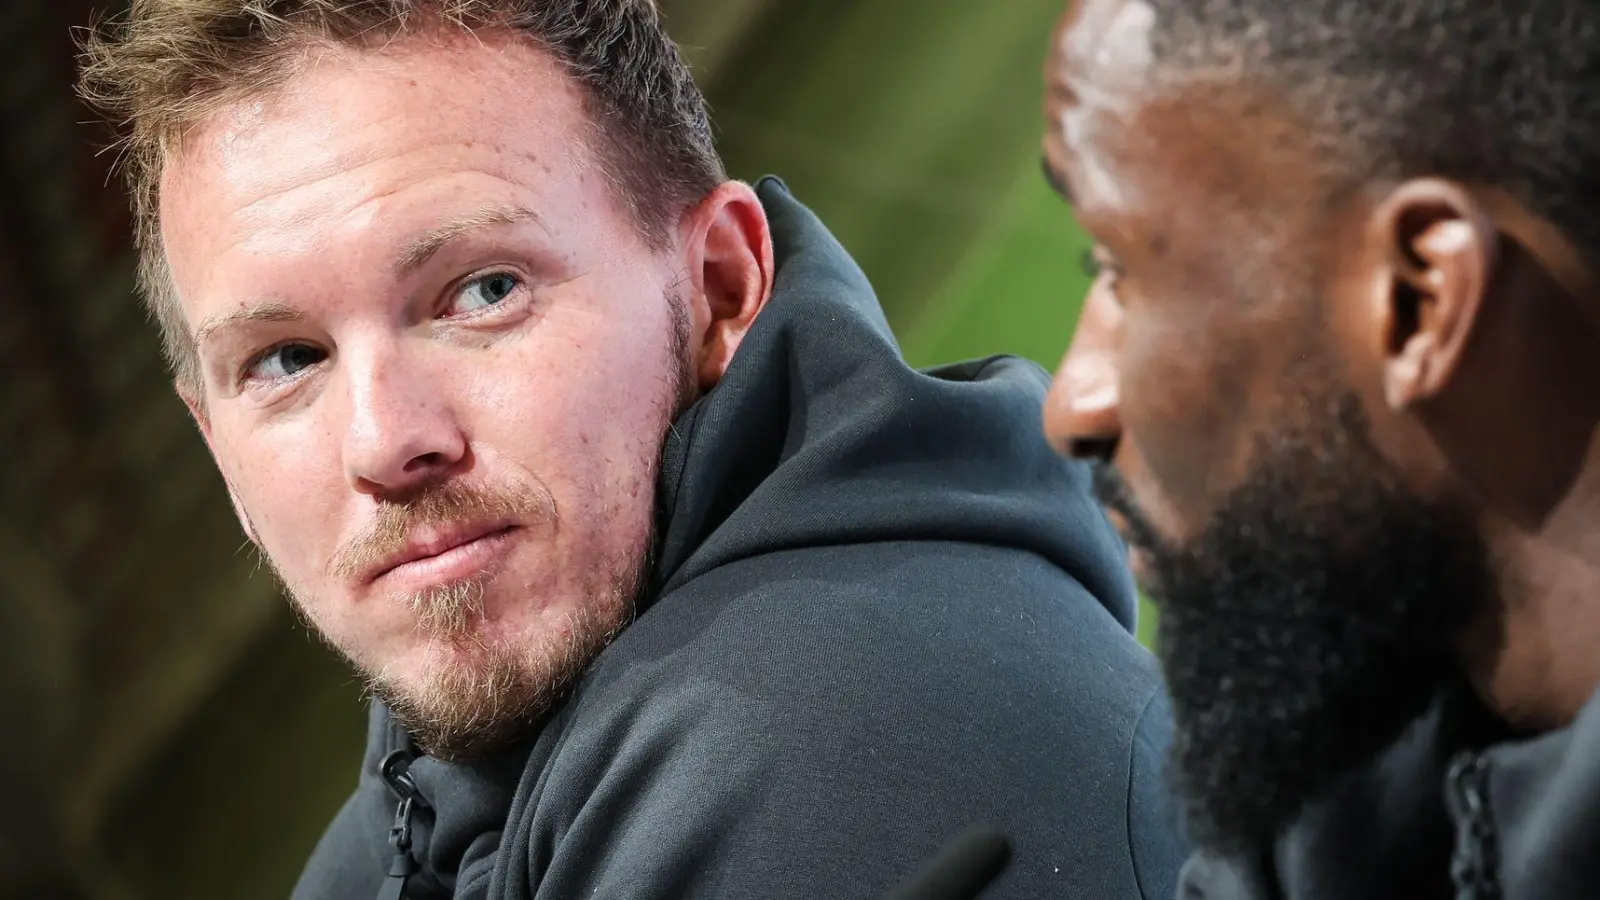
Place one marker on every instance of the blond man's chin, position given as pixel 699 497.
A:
pixel 471 696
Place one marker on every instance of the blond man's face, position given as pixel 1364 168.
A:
pixel 437 364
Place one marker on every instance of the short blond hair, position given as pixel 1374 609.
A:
pixel 168 65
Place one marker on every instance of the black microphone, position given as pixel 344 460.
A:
pixel 961 870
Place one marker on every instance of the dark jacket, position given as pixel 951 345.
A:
pixel 882 610
pixel 1456 810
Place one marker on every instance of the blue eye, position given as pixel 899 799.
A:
pixel 484 291
pixel 284 361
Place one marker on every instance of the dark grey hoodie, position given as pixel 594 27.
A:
pixel 882 610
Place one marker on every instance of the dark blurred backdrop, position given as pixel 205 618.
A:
pixel 169 731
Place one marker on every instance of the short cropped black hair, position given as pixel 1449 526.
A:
pixel 1499 93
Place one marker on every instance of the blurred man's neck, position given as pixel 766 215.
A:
pixel 1538 662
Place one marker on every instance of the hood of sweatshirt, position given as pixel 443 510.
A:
pixel 818 434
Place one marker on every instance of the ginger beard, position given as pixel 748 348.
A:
pixel 481 692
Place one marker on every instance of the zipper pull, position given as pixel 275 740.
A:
pixel 402 865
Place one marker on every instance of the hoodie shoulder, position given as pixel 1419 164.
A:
pixel 818 722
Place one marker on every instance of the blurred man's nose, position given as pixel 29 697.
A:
pixel 1082 414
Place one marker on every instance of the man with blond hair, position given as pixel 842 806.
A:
pixel 669 577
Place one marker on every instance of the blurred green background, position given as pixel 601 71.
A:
pixel 171 732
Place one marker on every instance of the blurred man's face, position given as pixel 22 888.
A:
pixel 438 364
pixel 1309 590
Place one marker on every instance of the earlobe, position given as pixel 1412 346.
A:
pixel 1442 250
pixel 731 272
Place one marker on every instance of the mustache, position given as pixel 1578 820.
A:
pixel 439 503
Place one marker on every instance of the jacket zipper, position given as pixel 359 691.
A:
pixel 395 772
pixel 1475 861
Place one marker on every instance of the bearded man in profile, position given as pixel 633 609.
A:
pixel 1340 370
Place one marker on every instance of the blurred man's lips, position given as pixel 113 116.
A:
pixel 1139 565
pixel 1138 556
pixel 440 556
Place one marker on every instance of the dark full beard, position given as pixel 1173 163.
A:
pixel 1307 626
